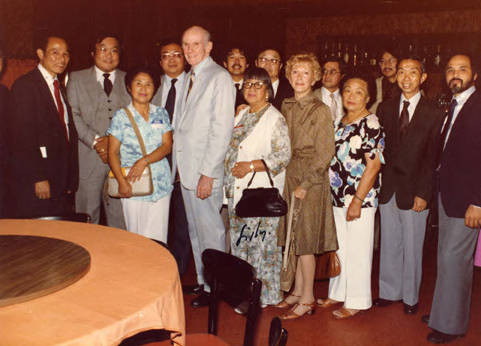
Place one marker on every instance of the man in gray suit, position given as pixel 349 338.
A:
pixel 95 94
pixel 202 134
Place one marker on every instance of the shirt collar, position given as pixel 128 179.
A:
pixel 99 75
pixel 197 69
pixel 326 93
pixel 463 97
pixel 413 100
pixel 179 77
pixel 46 75
pixel 303 102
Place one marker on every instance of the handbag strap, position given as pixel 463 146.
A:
pixel 268 174
pixel 136 130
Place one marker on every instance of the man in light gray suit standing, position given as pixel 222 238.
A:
pixel 95 94
pixel 202 133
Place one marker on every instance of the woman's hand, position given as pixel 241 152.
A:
pixel 125 189
pixel 137 169
pixel 300 193
pixel 354 210
pixel 240 169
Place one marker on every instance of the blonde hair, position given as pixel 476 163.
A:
pixel 309 58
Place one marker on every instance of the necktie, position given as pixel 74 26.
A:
pixel 170 103
pixel 404 119
pixel 192 77
pixel 333 107
pixel 237 86
pixel 107 84
pixel 58 100
pixel 444 132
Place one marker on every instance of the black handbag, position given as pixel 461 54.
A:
pixel 262 201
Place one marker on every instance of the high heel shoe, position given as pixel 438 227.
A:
pixel 292 315
pixel 284 304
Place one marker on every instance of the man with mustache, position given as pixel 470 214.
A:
pixel 43 147
pixel 236 63
pixel 386 85
pixel 459 202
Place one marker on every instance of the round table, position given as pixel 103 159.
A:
pixel 133 285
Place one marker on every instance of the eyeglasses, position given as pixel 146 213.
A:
pixel 105 50
pixel 257 85
pixel 271 60
pixel 175 55
pixel 330 72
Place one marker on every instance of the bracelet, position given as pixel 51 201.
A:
pixel 251 166
pixel 356 196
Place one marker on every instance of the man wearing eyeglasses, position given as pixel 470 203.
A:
pixel 270 60
pixel 333 70
pixel 169 96
pixel 95 94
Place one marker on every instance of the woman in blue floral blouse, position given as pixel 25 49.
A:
pixel 354 188
pixel 145 215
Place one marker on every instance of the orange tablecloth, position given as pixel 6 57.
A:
pixel 133 285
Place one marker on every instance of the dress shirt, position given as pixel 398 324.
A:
pixel 241 82
pixel 179 86
pixel 461 99
pixel 275 86
pixel 413 102
pixel 49 80
pixel 326 98
pixel 99 74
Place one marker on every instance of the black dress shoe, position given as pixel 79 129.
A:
pixel 381 302
pixel 193 289
pixel 425 318
pixel 410 309
pixel 202 299
pixel 437 337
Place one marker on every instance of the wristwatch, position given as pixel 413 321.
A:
pixel 251 166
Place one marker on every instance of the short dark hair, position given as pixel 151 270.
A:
pixel 391 50
pixel 271 48
pixel 371 85
pixel 41 42
pixel 229 51
pixel 339 61
pixel 472 58
pixel 414 57
pixel 130 75
pixel 262 75
pixel 102 36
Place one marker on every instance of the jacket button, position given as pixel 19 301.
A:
pixel 110 109
pixel 237 187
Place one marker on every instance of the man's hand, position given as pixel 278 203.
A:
pixel 42 189
pixel 419 204
pixel 102 147
pixel 204 187
pixel 472 218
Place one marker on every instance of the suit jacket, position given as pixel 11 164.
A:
pixel 4 99
pixel 460 183
pixel 283 91
pixel 409 160
pixel 203 129
pixel 35 123
pixel 92 111
pixel 179 91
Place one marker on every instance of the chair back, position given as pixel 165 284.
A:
pixel 233 280
pixel 77 217
pixel 277 334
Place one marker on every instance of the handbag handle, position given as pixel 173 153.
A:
pixel 136 130
pixel 268 174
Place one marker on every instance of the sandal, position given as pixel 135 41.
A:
pixel 292 315
pixel 284 304
pixel 343 313
pixel 325 303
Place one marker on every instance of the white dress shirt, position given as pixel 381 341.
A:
pixel 461 99
pixel 99 74
pixel 326 98
pixel 179 85
pixel 275 86
pixel 413 102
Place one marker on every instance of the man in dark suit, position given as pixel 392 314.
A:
pixel 235 62
pixel 270 60
pixel 44 158
pixel 411 123
pixel 459 203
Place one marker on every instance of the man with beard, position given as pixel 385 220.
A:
pixel 386 85
pixel 236 63
pixel 459 203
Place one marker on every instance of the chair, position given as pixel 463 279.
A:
pixel 277 334
pixel 78 217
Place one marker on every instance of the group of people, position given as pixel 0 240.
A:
pixel 205 133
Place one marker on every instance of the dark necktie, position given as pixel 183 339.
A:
pixel 404 119
pixel 107 84
pixel 58 100
pixel 170 103
pixel 237 86
pixel 444 132
pixel 191 83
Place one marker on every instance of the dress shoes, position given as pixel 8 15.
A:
pixel 410 309
pixel 437 337
pixel 425 318
pixel 381 302
pixel 202 299
pixel 193 289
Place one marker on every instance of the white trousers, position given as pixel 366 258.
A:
pixel 356 238
pixel 150 219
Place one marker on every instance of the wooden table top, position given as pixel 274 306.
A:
pixel 33 266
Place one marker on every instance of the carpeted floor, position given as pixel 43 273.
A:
pixel 377 326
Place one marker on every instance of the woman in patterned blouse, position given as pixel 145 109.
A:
pixel 354 188
pixel 145 215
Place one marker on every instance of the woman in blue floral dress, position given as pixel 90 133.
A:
pixel 145 215
pixel 354 188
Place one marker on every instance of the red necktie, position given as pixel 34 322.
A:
pixel 60 106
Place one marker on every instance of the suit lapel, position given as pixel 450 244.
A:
pixel 459 119
pixel 93 87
